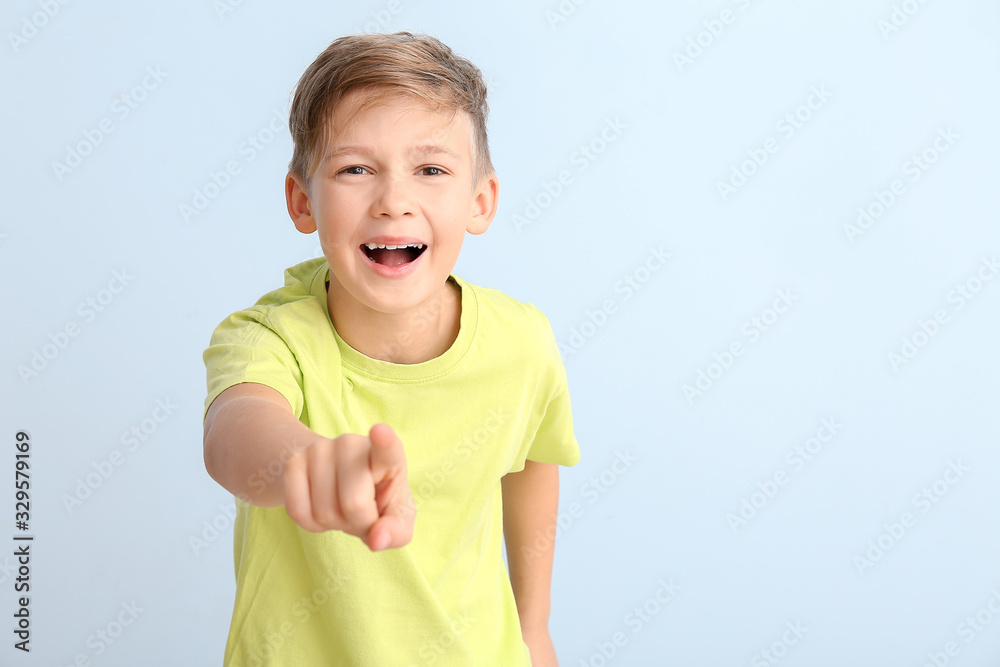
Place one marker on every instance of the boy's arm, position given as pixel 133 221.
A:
pixel 249 430
pixel 259 451
pixel 530 505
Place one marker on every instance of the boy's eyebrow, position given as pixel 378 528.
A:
pixel 422 151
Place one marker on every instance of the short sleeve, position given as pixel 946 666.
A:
pixel 555 441
pixel 245 348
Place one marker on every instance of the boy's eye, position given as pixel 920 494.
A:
pixel 357 170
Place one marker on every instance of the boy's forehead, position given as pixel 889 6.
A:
pixel 447 131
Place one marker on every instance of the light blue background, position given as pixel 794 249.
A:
pixel 554 87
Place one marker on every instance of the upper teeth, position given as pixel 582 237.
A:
pixel 372 246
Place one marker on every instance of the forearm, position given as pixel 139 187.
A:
pixel 246 442
pixel 531 501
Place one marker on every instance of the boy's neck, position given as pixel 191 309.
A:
pixel 405 338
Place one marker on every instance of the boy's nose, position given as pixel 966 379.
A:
pixel 393 198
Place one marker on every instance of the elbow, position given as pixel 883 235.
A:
pixel 210 442
pixel 209 461
pixel 208 453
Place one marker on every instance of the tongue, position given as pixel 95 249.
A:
pixel 392 257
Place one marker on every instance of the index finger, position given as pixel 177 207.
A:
pixel 387 458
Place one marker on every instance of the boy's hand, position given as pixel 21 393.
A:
pixel 353 483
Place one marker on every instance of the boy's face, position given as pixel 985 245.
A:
pixel 401 174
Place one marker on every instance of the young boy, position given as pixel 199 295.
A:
pixel 383 423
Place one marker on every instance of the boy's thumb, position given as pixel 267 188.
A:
pixel 391 530
pixel 379 540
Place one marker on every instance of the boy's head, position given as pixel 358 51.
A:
pixel 381 67
pixel 391 166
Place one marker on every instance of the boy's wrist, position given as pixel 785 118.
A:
pixel 539 643
pixel 534 629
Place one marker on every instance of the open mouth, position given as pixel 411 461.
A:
pixel 393 255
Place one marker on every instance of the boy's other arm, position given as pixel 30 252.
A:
pixel 259 451
pixel 530 505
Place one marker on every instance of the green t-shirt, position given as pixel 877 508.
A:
pixel 496 397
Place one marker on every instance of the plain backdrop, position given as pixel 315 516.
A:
pixel 765 233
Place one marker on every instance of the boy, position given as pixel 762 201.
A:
pixel 383 423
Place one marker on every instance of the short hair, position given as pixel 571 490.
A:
pixel 385 66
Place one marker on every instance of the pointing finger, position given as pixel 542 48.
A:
pixel 388 458
pixel 355 487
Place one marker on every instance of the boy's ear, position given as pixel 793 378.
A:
pixel 299 206
pixel 484 204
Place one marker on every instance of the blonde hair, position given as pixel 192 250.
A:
pixel 385 66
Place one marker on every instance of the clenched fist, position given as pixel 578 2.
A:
pixel 353 483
